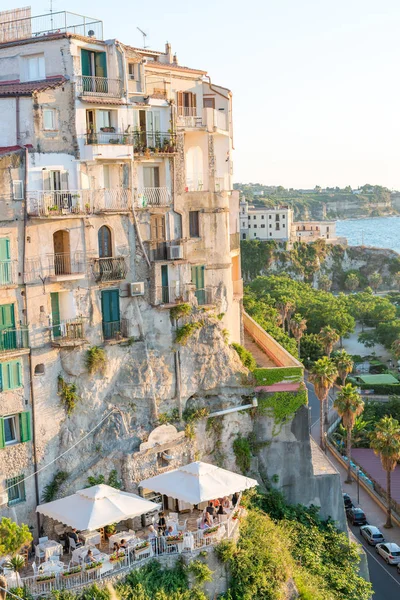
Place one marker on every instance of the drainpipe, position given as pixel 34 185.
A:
pixel 17 128
pixel 31 392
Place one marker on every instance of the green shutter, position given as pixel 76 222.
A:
pixel 11 375
pixel 101 64
pixel 85 59
pixel 25 426
pixel 2 435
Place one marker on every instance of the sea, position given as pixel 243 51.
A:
pixel 380 232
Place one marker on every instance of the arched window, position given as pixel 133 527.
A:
pixel 105 248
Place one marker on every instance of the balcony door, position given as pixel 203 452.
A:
pixel 94 65
pixel 8 339
pixel 151 177
pixel 153 126
pixel 198 280
pixel 55 314
pixel 62 252
pixel 110 313
pixel 164 284
pixel 104 238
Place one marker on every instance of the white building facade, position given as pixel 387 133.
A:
pixel 265 223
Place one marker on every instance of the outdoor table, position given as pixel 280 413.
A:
pixel 79 553
pixel 51 548
pixel 90 537
pixel 122 535
pixel 51 567
pixel 188 541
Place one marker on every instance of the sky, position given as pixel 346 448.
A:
pixel 315 87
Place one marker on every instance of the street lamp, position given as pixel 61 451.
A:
pixel 358 485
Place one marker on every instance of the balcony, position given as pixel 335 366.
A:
pixel 8 272
pixel 113 200
pixel 58 203
pixel 212 120
pixel 108 143
pixel 110 268
pixel 68 334
pixel 153 142
pixel 202 296
pixel 14 340
pixel 98 86
pixel 175 293
pixel 115 330
pixel 152 196
pixel 188 117
pixel 66 266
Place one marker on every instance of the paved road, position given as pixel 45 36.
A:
pixel 384 578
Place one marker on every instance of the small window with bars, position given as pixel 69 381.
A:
pixel 15 487
pixel 18 189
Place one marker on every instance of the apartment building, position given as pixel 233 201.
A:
pixel 262 223
pixel 116 203
pixel 310 231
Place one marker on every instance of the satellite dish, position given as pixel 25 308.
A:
pixel 91 33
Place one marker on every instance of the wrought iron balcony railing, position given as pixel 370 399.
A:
pixel 98 86
pixel 110 269
pixel 54 203
pixel 14 339
pixel 68 331
pixel 153 196
pixel 111 200
pixel 66 263
pixel 115 330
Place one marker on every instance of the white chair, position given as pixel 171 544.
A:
pixel 43 539
pixel 34 568
pixel 39 553
pixel 173 516
pixel 72 543
pixel 198 522
pixel 183 526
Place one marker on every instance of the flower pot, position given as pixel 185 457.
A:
pixel 68 575
pixel 51 580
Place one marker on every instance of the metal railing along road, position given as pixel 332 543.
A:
pixel 8 272
pixel 113 268
pixel 66 263
pixel 115 330
pixel 88 85
pixel 153 196
pixel 137 554
pixel 14 338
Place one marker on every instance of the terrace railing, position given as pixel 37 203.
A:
pixel 98 86
pixel 111 200
pixel 69 330
pixel 115 330
pixel 114 268
pixel 153 196
pixel 66 263
pixel 58 202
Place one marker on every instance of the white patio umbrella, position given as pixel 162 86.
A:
pixel 198 482
pixel 96 507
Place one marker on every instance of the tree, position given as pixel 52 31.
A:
pixel 375 280
pixel 396 348
pixel 349 406
pixel 344 364
pixel 298 326
pixel 329 337
pixel 13 536
pixel 323 375
pixel 351 282
pixel 385 442
pixel 368 338
pixel 396 278
pixel 284 306
pixel 324 283
pixel 311 349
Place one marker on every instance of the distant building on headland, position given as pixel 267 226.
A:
pixel 276 223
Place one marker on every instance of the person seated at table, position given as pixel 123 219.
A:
pixel 170 531
pixel 207 521
pixel 162 523
pixel 221 510
pixel 123 545
pixel 89 558
pixel 72 534
pixel 210 509
pixel 225 502
pixel 115 547
pixel 152 533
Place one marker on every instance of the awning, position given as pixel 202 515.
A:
pixel 198 482
pixel 96 507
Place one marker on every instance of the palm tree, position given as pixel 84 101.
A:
pixel 3 586
pixel 328 337
pixel 284 306
pixel 385 442
pixel 396 348
pixel 344 364
pixel 349 405
pixel 323 375
pixel 298 326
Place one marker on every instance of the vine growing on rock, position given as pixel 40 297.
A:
pixel 281 406
pixel 184 333
pixel 51 490
pixel 242 452
pixel 68 394
pixel 96 360
pixel 179 311
pixel 245 356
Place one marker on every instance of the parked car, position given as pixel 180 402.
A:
pixel 347 501
pixel 390 552
pixel 356 516
pixel 372 534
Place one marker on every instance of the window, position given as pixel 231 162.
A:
pixel 254 217
pixel 262 226
pixel 103 118
pixel 243 236
pixel 15 429
pixel 270 217
pixel 131 70
pixel 283 225
pixel 194 228
pixel 105 245
pixel 255 226
pixel 94 64
pixel 186 102
pixel 16 490
pixel 249 217
pixel 255 234
pixel 209 102
pixel 283 216
pixel 49 119
pixel 262 217
pixel 18 189
pixel 10 375
pixel 34 67
pixel 244 224
pixel 276 217
pixel 277 227
pixel 270 225
pixel 270 234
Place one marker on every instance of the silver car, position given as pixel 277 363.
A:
pixel 390 552
pixel 372 534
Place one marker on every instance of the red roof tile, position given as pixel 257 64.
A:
pixel 103 100
pixel 29 87
pixel 9 149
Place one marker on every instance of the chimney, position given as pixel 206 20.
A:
pixel 168 52
pixel 175 60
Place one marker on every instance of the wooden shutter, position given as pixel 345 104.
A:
pixel 64 180
pixel 180 102
pixel 46 180
pixel 194 103
pixel 100 63
pixel 25 426
pixel 11 375
pixel 7 316
pixel 2 433
pixel 85 62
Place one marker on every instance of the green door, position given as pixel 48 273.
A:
pixel 8 337
pixel 5 261
pixel 55 314
pixel 110 313
pixel 164 284
pixel 198 280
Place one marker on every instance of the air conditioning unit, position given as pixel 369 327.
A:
pixel 174 252
pixel 136 289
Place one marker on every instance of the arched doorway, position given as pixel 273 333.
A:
pixel 62 252
pixel 105 245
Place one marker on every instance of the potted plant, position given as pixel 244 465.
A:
pixel 49 578
pixel 71 572
pixel 109 530
pixel 211 531
pixel 142 547
pixel 116 557
pixel 174 539
pixel 94 566
pixel 16 563
pixel 87 208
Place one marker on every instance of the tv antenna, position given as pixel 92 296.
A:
pixel 144 37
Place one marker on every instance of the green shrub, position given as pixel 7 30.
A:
pixel 96 360
pixel 51 489
pixel 186 331
pixel 189 431
pixel 245 356
pixel 242 452
pixel 271 376
pixel 200 571
pixel 190 415
pixel 281 406
pixel 179 311
pixel 68 395
pixel 13 536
